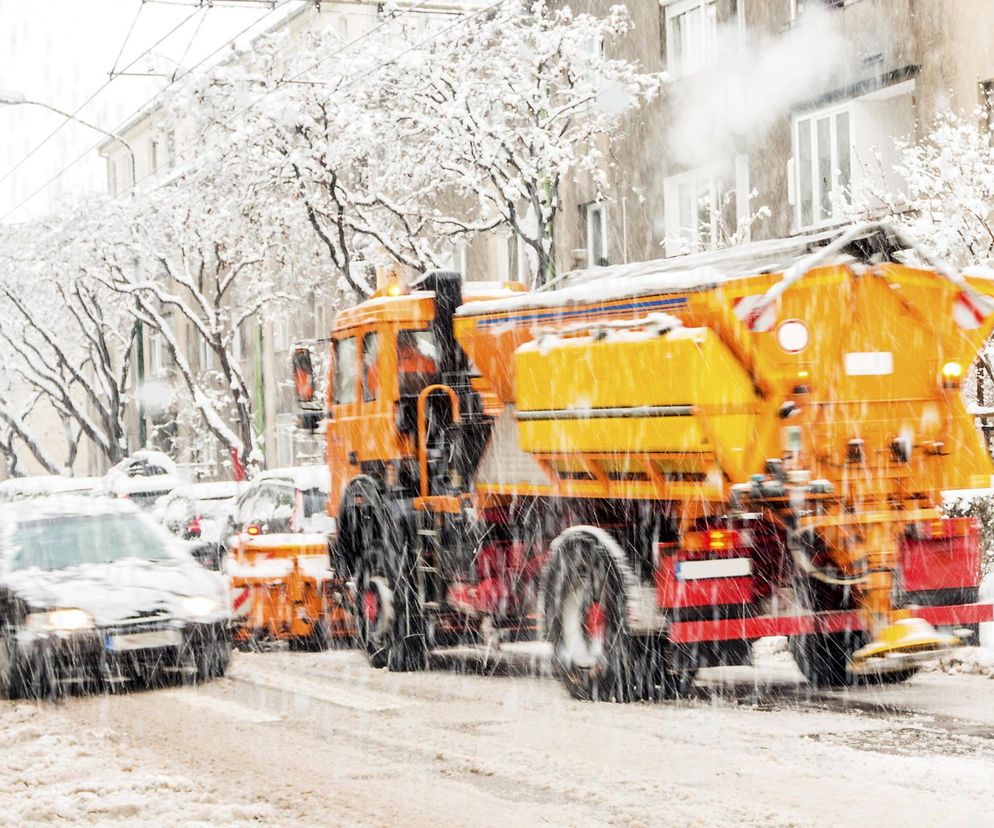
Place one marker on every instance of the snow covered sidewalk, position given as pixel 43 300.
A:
pixel 52 770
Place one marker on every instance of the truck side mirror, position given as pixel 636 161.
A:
pixel 303 374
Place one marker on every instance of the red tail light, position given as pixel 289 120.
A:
pixel 193 527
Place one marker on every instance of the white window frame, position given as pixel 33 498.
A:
pixel 206 355
pixel 111 176
pixel 797 8
pixel 707 41
pixel 681 239
pixel 513 259
pixel 813 117
pixel 591 210
pixel 459 258
pixel 281 331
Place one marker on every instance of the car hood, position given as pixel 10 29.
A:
pixel 119 591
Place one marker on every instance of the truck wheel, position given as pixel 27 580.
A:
pixel 585 605
pixel 824 659
pixel 389 619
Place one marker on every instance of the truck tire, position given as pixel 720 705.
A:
pixel 824 659
pixel 585 607
pixel 389 619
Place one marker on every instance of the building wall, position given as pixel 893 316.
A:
pixel 943 47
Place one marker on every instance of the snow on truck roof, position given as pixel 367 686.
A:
pixel 703 271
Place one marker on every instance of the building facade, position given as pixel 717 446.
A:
pixel 788 105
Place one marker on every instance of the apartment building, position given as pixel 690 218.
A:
pixel 797 102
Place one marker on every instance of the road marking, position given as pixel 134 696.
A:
pixel 228 709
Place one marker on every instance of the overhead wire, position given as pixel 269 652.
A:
pixel 459 21
pixel 189 44
pixel 144 105
pixel 127 37
pixel 72 115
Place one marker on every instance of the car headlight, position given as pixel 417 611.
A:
pixel 197 606
pixel 60 620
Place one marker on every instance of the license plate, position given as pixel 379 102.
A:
pixel 144 640
pixel 714 568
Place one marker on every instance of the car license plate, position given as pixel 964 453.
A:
pixel 144 640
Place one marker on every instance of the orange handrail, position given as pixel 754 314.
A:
pixel 423 428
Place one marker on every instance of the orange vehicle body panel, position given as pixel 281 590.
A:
pixel 277 596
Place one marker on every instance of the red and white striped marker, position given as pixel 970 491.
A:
pixel 756 315
pixel 969 312
pixel 240 603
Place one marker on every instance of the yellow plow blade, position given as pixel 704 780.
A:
pixel 900 645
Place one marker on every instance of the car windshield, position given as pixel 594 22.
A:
pixel 63 542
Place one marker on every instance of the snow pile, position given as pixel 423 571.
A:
pixel 772 652
pixel 51 770
pixel 967 660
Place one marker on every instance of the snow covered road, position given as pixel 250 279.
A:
pixel 294 739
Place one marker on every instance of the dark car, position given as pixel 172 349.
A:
pixel 93 592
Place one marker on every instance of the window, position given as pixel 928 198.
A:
pixel 159 356
pixel 798 7
pixel 459 258
pixel 153 156
pixel 281 332
pixel 823 149
pixel 596 234
pixel 417 361
pixel 320 319
pixel 691 207
pixel 691 35
pixel 206 355
pixel 370 372
pixel 514 259
pixel 170 148
pixel 344 389
pixel 987 106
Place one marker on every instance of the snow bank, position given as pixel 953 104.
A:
pixel 966 660
pixel 52 770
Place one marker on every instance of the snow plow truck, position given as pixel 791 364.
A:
pixel 654 465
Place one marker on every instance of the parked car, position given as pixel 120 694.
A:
pixel 142 477
pixel 19 488
pixel 291 499
pixel 95 592
pixel 199 513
